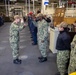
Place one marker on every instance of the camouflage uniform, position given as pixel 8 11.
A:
pixel 62 61
pixel 72 65
pixel 42 35
pixel 63 47
pixel 14 39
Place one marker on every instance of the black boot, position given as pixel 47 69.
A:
pixel 44 59
pixel 17 61
pixel 66 73
pixel 31 37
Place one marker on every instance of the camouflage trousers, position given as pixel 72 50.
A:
pixel 62 61
pixel 15 50
pixel 72 65
pixel 43 47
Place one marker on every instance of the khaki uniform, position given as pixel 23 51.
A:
pixel 72 65
pixel 42 35
pixel 14 39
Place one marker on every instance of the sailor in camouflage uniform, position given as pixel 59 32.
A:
pixel 42 36
pixel 15 27
pixel 63 48
pixel 72 65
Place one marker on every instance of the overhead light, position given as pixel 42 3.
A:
pixel 46 2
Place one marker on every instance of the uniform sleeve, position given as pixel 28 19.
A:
pixel 21 26
pixel 45 31
pixel 73 43
pixel 35 23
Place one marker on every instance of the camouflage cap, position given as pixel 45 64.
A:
pixel 39 15
pixel 63 24
pixel 16 17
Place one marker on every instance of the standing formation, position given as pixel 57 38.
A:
pixel 38 26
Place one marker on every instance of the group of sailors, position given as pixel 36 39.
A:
pixel 38 25
pixel 32 23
